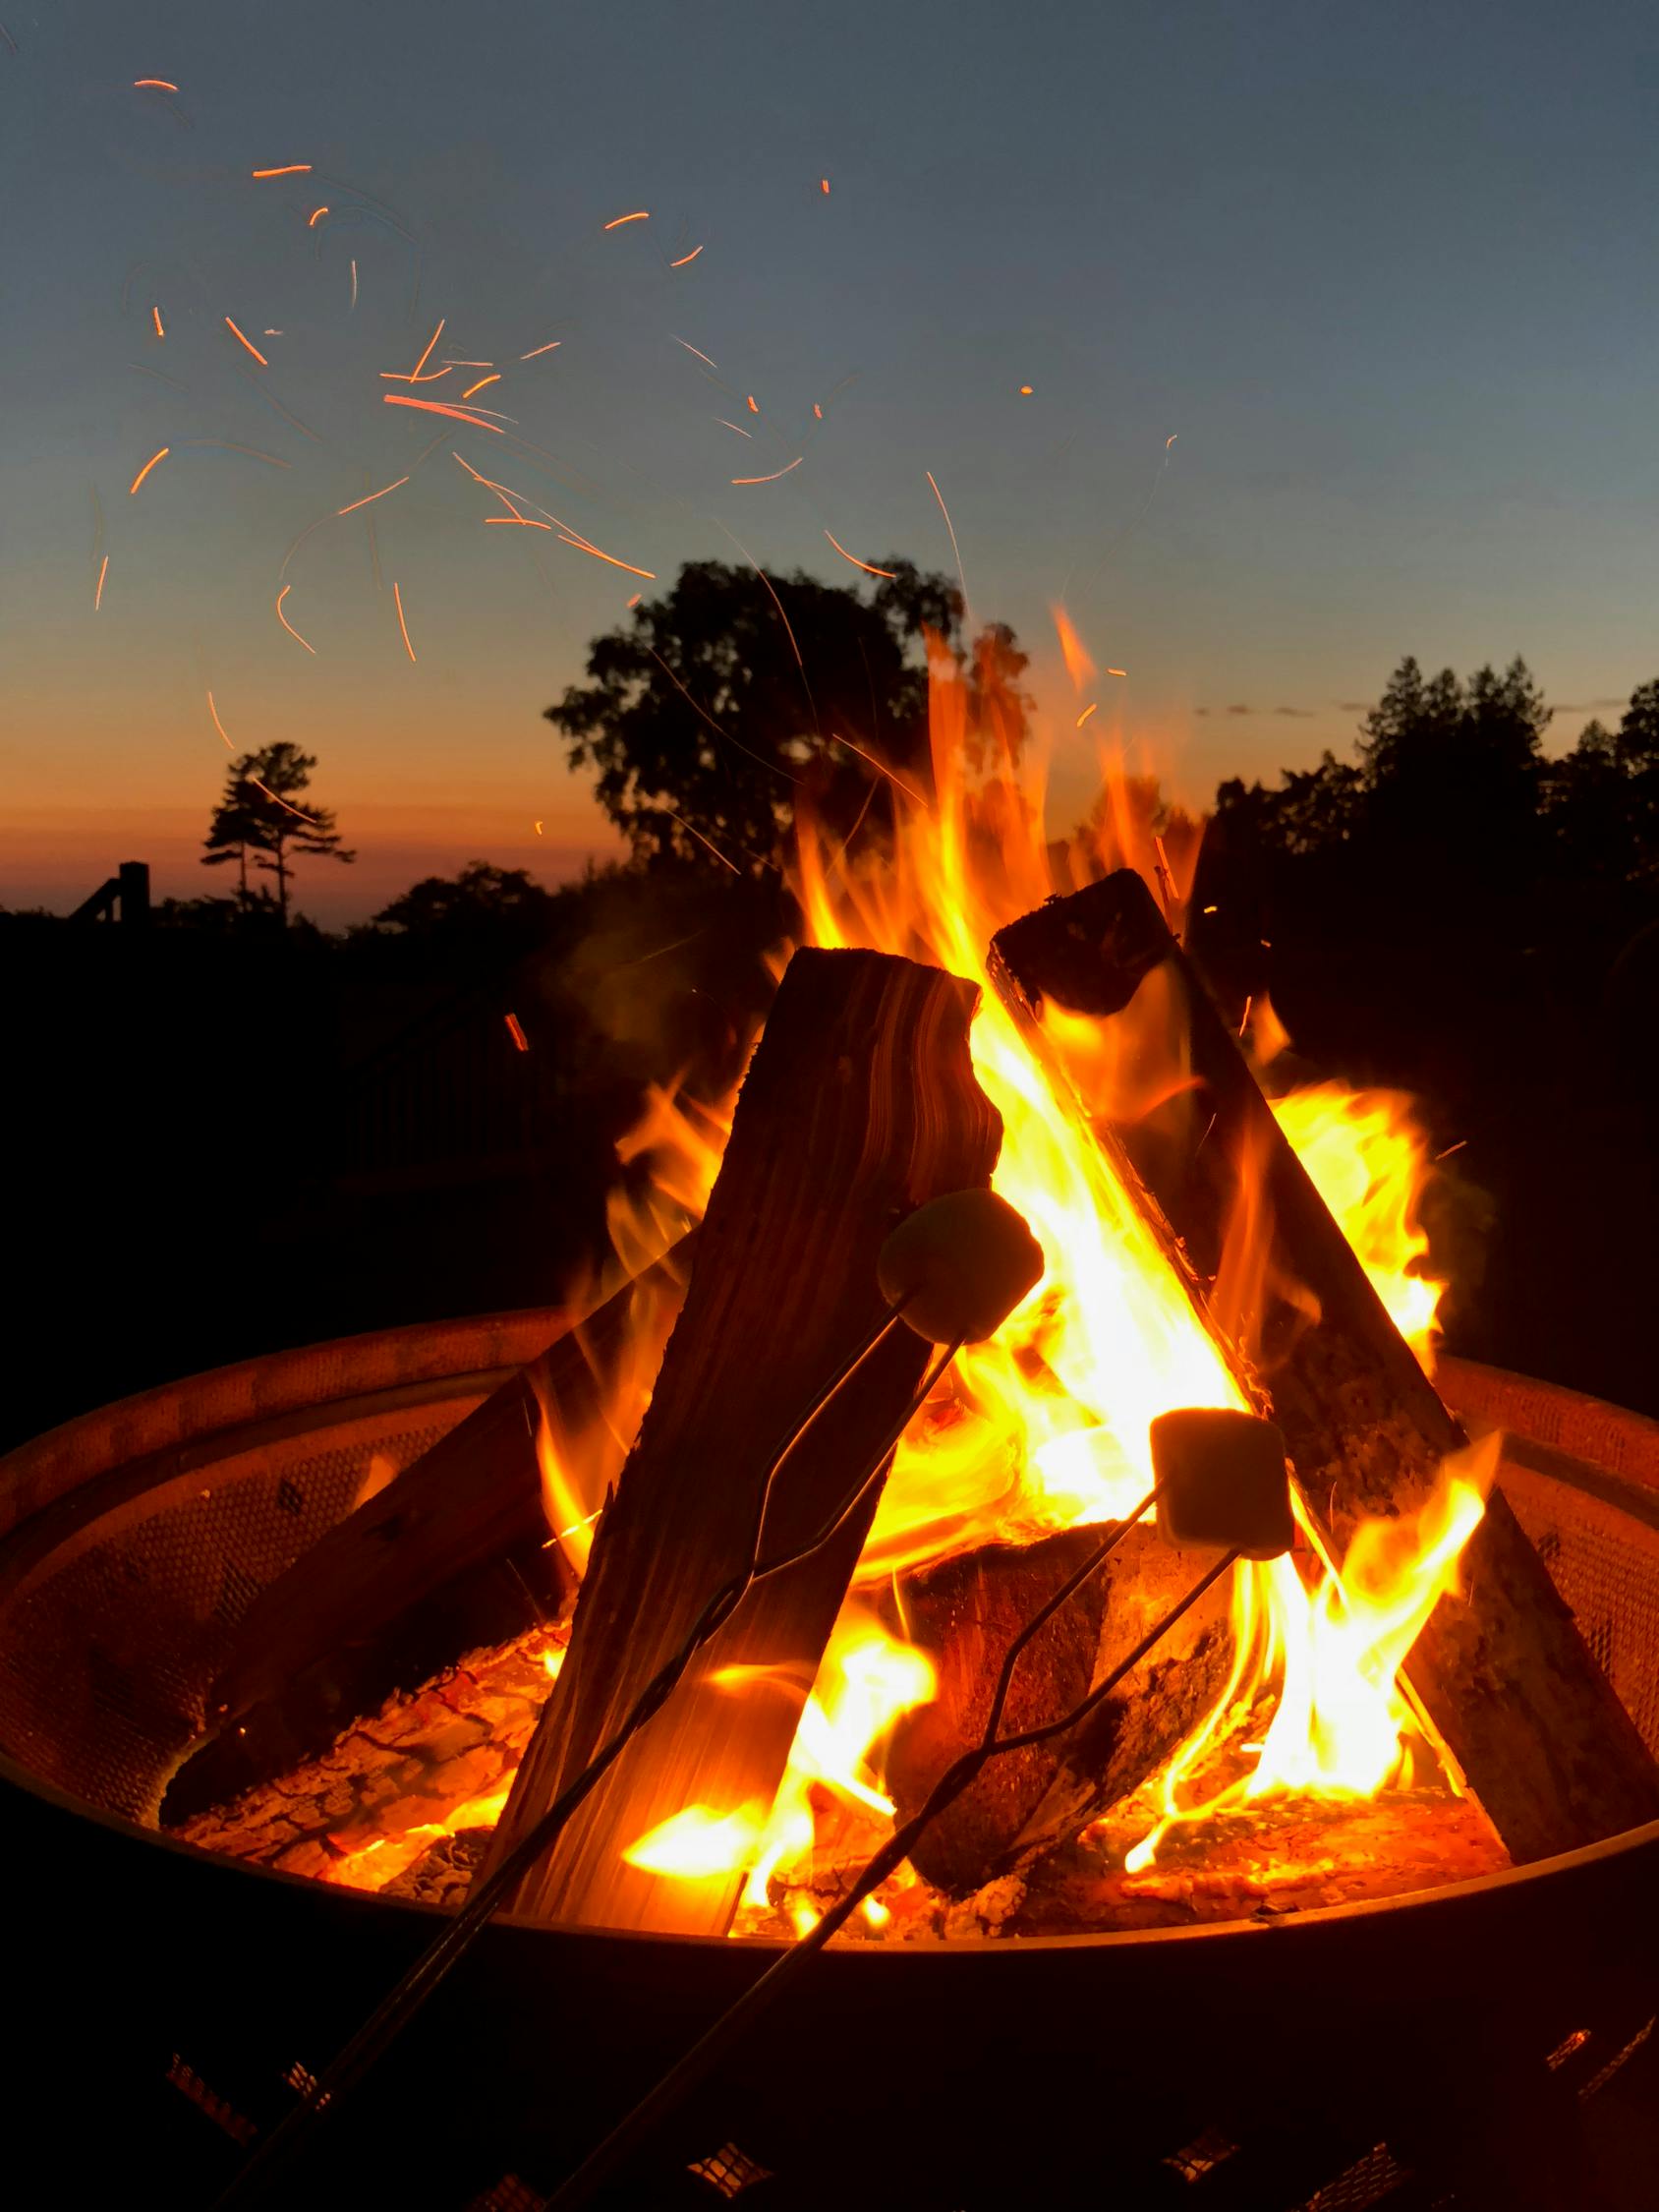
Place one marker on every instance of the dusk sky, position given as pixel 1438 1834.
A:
pixel 1386 272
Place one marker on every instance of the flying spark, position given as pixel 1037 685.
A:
pixel 1118 671
pixel 152 85
pixel 288 625
pixel 857 563
pixel 515 1030
pixel 880 767
pixel 684 258
pixel 640 215
pixel 246 341
pixel 954 548
pixel 1087 711
pixel 1025 392
pixel 689 348
pixel 155 316
pixel 524 521
pixel 479 386
pixel 818 411
pixel 218 724
pixel 438 407
pixel 824 186
pixel 538 828
pixel 229 445
pixel 293 169
pixel 738 427
pixel 701 840
pixel 776 474
pixel 582 546
pixel 401 623
pixel 314 217
pixel 97 596
pixel 148 465
pixel 754 408
pixel 535 350
pixel 354 284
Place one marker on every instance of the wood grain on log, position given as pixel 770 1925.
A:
pixel 860 1104
pixel 1502 1671
pixel 965 1612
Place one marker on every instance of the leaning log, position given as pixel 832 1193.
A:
pixel 451 1554
pixel 860 1104
pixel 1502 1670
pixel 965 1612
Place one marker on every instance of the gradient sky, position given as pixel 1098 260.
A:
pixel 1387 271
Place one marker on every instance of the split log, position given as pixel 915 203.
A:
pixel 453 1553
pixel 1502 1672
pixel 859 1105
pixel 965 1612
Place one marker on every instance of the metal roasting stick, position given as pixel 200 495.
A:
pixel 290 2137
pixel 734 2023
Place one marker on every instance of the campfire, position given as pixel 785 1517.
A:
pixel 1399 1701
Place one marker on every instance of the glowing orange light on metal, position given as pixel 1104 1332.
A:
pixel 243 337
pixel 155 316
pixel 314 217
pixel 436 407
pixel 1087 711
pixel 153 84
pixel 401 623
pixel 535 350
pixel 689 348
pixel 97 596
pixel 640 215
pixel 479 386
pixel 293 169
pixel 148 465
pixel 515 1030
pixel 288 625
pixel 369 496
pixel 776 474
pixel 684 258
pixel 853 557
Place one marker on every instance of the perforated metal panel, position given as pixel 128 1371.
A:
pixel 107 1650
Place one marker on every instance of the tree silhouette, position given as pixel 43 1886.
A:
pixel 481 901
pixel 257 815
pixel 734 699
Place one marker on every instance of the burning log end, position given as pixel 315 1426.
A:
pixel 966 1612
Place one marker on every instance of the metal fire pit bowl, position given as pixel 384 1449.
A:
pixel 165 2006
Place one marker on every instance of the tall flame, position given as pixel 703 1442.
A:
pixel 1045 1427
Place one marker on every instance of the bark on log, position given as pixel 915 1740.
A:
pixel 964 1612
pixel 1502 1672
pixel 451 1554
pixel 860 1104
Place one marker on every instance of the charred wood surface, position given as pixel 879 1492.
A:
pixel 1502 1670
pixel 966 1612
pixel 451 1554
pixel 860 1104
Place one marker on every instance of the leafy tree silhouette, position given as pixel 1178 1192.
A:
pixel 734 699
pixel 481 899
pixel 258 816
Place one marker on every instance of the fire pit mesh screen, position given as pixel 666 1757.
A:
pixel 108 1644
pixel 1604 1560
pixel 114 1618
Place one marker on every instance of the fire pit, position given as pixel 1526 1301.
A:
pixel 178 2002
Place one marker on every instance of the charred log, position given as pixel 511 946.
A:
pixel 1502 1670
